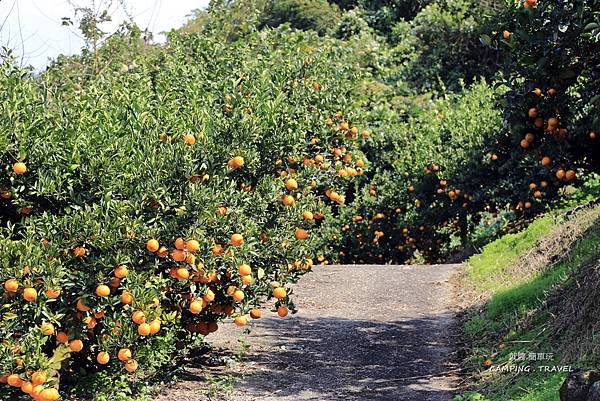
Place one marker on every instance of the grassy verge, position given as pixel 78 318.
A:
pixel 525 283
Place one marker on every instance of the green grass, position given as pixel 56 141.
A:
pixel 498 332
pixel 502 253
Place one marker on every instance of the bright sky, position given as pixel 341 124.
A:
pixel 33 29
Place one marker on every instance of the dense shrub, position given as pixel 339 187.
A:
pixel 187 183
pixel 317 15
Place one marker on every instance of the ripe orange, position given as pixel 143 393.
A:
pixel 237 240
pixel 131 365
pixel 81 306
pixel 238 296
pixel 307 215
pixel 138 317
pixel 121 271
pixel 144 329
pixel 52 293
pixel 291 184
pixel 524 143
pixel 196 307
pixel 11 285
pixel 592 135
pixel 247 280
pixel 192 245
pixel 217 250
pixel 155 326
pixel 209 295
pixel 279 292
pixel 552 122
pixel 163 252
pixel 533 112
pixel 90 322
pixel 19 168
pixel 47 328
pixel 152 245
pixel 62 337
pixel 537 92
pixel 316 86
pixel 126 298
pixel 182 273
pixel 30 294
pixel 551 91
pixel 14 380
pixel 537 194
pixel 240 321
pixel 244 270
pixel 27 387
pixel 506 35
pixel 288 200
pixel 560 174
pixel 301 234
pixel 79 252
pixel 39 377
pixel 236 162
pixel 546 161
pixel 124 354
pixel 102 290
pixel 255 313
pixel 179 244
pixel 530 137
pixel 570 175
pixel 189 139
pixel 282 311
pixel 49 394
pixel 365 134
pixel 344 126
pixel 178 255
pixel 76 345
pixel 103 358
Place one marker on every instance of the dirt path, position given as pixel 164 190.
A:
pixel 362 333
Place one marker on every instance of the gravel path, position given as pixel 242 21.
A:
pixel 377 333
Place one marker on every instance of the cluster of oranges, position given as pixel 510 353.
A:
pixel 197 297
pixel 34 385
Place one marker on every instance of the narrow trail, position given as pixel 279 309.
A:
pixel 376 333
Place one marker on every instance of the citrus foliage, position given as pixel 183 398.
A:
pixel 149 193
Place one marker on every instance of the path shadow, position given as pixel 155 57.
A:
pixel 331 358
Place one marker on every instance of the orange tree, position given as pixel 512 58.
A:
pixel 156 191
pixel 452 174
